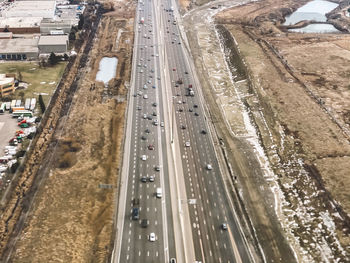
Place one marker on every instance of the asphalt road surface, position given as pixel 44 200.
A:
pixel 161 78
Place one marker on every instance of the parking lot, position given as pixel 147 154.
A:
pixel 8 126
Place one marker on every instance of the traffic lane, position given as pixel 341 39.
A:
pixel 216 243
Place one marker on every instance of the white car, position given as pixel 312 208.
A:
pixel 152 237
pixel 145 116
pixel 143 157
pixel 162 124
pixel 187 144
pixel 145 86
pixel 209 167
pixel 145 96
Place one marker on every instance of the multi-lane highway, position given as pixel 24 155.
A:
pixel 167 136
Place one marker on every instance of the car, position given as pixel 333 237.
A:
pixel 145 86
pixel 179 43
pixel 190 109
pixel 144 157
pixel 149 117
pixel 152 237
pixel 154 104
pixel 172 42
pixel 153 87
pixel 135 213
pixel 151 147
pixel 149 81
pixel 147 131
pixel 176 85
pixel 187 144
pixel 181 110
pixel 141 71
pixel 154 113
pixel 143 137
pixel 179 102
pixel 135 95
pixel 145 116
pixel 144 223
pixel 174 69
pixel 155 122
pixel 135 201
pixel 144 179
pixel 204 132
pixel 183 127
pixel 209 167
pixel 195 106
pixel 157 168
pixel 162 124
pixel 145 96
pixel 224 226
pixel 151 178
pixel 196 114
pixel 186 72
pixel 139 108
pixel 172 260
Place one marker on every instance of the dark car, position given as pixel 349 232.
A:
pixel 135 201
pixel 224 226
pixel 204 132
pixel 183 127
pixel 144 138
pixel 195 106
pixel 147 131
pixel 144 223
pixel 144 179
pixel 196 114
pixel 135 214
pixel 190 110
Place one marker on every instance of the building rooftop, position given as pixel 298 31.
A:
pixel 16 22
pixel 30 8
pixel 18 45
pixel 53 40
pixel 6 34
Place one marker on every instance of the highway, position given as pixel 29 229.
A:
pixel 181 145
pixel 145 139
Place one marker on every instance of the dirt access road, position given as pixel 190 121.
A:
pixel 67 215
pixel 277 102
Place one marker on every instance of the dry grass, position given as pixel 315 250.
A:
pixel 40 79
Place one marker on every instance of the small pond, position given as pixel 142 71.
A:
pixel 314 10
pixel 107 69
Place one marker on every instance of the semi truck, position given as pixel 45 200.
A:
pixel 27 104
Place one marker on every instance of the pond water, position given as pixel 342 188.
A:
pixel 107 69
pixel 314 10
pixel 316 28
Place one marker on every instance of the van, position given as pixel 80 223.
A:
pixel 135 214
pixel 159 192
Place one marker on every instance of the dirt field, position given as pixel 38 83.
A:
pixel 293 89
pixel 71 217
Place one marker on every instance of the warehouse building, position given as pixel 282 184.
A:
pixel 7 84
pixel 55 27
pixel 55 44
pixel 44 9
pixel 19 49
pixel 21 25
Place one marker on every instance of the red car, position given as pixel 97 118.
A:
pixel 150 147
pixel 174 69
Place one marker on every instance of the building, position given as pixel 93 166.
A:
pixel 21 25
pixel 19 49
pixel 44 9
pixel 55 27
pixel 7 84
pixel 5 35
pixel 55 44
